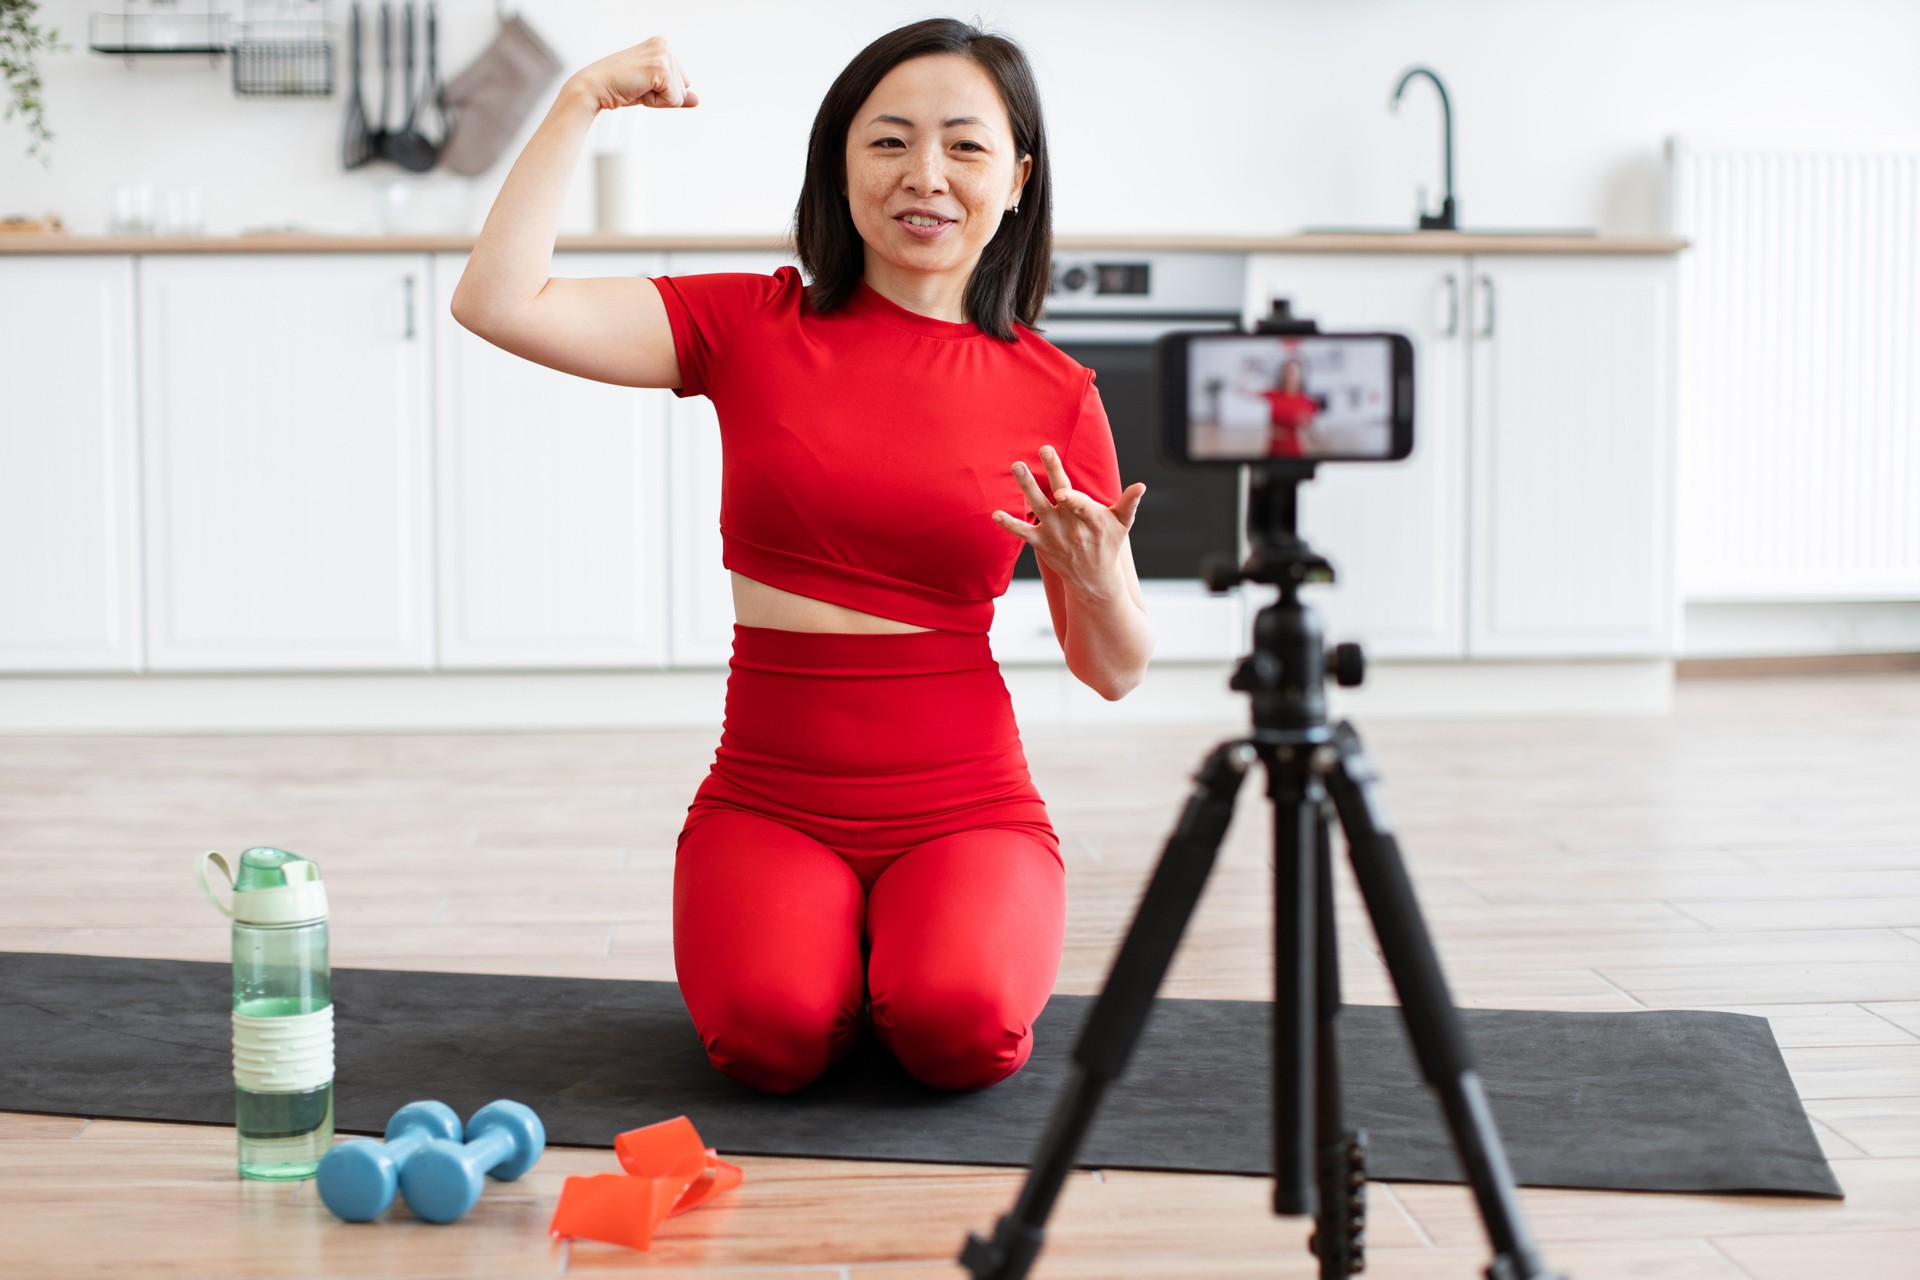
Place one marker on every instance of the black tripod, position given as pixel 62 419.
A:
pixel 1308 762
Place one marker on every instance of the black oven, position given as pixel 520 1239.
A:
pixel 1106 311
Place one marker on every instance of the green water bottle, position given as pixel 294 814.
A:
pixel 282 1012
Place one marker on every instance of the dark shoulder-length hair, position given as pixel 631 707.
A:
pixel 1009 283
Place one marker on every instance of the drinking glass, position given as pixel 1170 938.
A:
pixel 132 209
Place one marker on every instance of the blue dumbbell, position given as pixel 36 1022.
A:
pixel 443 1181
pixel 357 1179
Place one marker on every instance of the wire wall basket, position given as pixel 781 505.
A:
pixel 284 60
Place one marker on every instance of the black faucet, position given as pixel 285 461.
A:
pixel 1445 219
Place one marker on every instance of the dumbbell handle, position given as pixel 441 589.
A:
pixel 401 1146
pixel 487 1151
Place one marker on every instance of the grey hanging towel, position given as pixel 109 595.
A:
pixel 492 97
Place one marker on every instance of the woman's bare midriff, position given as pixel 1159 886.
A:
pixel 755 604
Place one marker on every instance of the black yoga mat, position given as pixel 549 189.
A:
pixel 1663 1101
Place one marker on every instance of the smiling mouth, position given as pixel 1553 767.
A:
pixel 922 220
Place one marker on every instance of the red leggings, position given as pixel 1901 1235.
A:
pixel 868 835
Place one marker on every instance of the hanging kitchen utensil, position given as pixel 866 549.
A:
pixel 437 119
pixel 356 143
pixel 379 134
pixel 406 147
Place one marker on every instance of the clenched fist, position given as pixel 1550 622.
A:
pixel 647 74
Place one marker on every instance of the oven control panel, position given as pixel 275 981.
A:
pixel 1138 283
pixel 1075 278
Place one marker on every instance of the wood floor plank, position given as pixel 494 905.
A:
pixel 1507 920
pixel 1879 1198
pixel 1899 855
pixel 1806 1026
pixel 351 945
pixel 1834 1145
pixel 15 1126
pixel 199 1137
pixel 592 1257
pixel 1808 913
pixel 1657 886
pixel 1857 1071
pixel 653 966
pixel 1706 986
pixel 1609 950
pixel 31 937
pixel 1902 1013
pixel 184 908
pixel 1889 1254
pixel 1879 1126
pixel 1574 990
pixel 647 910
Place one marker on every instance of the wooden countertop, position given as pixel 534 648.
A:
pixel 302 242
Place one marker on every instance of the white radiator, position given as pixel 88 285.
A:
pixel 1799 367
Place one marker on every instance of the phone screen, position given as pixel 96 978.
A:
pixel 1270 397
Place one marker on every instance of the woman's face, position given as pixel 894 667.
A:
pixel 1291 378
pixel 932 139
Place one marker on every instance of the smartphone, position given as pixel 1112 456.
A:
pixel 1309 397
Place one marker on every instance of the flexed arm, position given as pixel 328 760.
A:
pixel 611 330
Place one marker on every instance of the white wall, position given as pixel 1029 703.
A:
pixel 1229 116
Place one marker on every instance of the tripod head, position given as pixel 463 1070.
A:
pixel 1286 672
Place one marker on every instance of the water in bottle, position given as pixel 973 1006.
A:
pixel 282 1012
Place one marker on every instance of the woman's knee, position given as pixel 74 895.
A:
pixel 776 1041
pixel 952 1037
pixel 766 945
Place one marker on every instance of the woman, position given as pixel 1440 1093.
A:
pixel 1290 410
pixel 868 841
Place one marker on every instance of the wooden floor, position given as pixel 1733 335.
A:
pixel 1759 850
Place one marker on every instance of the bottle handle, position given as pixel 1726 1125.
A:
pixel 200 874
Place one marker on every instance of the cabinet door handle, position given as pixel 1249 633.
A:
pixel 1487 282
pixel 409 306
pixel 1453 306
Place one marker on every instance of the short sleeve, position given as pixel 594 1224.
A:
pixel 707 311
pixel 1089 459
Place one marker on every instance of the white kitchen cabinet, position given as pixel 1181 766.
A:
pixel 1190 623
pixel 69 515
pixel 702 604
pixel 1534 518
pixel 1395 532
pixel 286 473
pixel 551 501
pixel 1570 521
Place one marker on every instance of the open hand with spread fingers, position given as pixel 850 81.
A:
pixel 1077 537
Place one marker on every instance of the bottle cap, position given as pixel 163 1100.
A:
pixel 273 887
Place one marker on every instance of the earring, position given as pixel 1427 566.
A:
pixel 1016 209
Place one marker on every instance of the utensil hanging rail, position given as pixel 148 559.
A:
pixel 274 57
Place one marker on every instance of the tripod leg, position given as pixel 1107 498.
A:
pixel 1434 1025
pixel 1298 797
pixel 1121 1011
pixel 1339 1236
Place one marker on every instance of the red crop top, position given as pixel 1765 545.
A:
pixel 865 450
